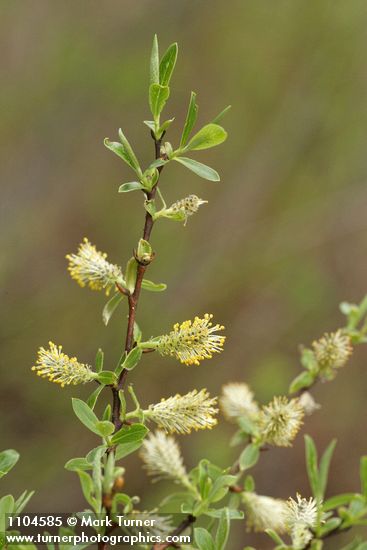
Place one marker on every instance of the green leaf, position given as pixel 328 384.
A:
pixel 137 333
pixel 337 501
pixel 125 154
pixel 75 464
pixel 221 487
pixel 130 274
pixel 132 359
pixel 199 168
pixel 158 96
pixel 191 117
pixel 249 457
pixel 126 449
pixel 87 486
pixel 222 534
pixel 129 434
pixel 324 467
pixel 8 459
pixel 154 62
pixel 6 507
pixel 92 399
pixel 107 377
pixel 209 136
pixel 130 186
pixel 105 428
pixel 111 306
pixel 311 464
pixel 303 380
pixel 274 536
pixel 164 127
pixel 129 154
pixel 167 64
pixel 22 501
pixel 219 117
pixel 363 475
pixel 107 413
pixel 203 539
pixel 85 415
pixel 330 525
pixel 99 360
pixel 153 287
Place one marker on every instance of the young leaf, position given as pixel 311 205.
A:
pixel 107 377
pixel 131 186
pixel 158 96
pixel 130 157
pixel 154 62
pixel 303 380
pixel 153 287
pixel 219 117
pixel 99 360
pixel 105 428
pixel 92 399
pixel 222 534
pixel 75 464
pixel 6 507
pixel 111 306
pixel 8 459
pixel 137 333
pixel 273 535
pixel 125 449
pixel 87 486
pixel 203 539
pixel 199 168
pixel 249 457
pixel 132 359
pixel 191 117
pixel 130 434
pixel 311 464
pixel 85 415
pixel 209 136
pixel 324 467
pixel 22 501
pixel 121 152
pixel 130 274
pixel 337 501
pixel 167 64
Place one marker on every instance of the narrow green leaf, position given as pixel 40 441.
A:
pixel 209 136
pixel 132 359
pixel 105 428
pixel 22 501
pixel 324 467
pixel 249 457
pixel 125 449
pixel 75 464
pixel 191 117
pixel 337 501
pixel 222 534
pixel 199 168
pixel 126 155
pixel 99 360
pixel 130 186
pixel 85 415
pixel 6 507
pixel 153 287
pixel 137 333
pixel 274 536
pixel 303 380
pixel 111 306
pixel 158 96
pixel 8 459
pixel 167 64
pixel 92 399
pixel 164 127
pixel 107 413
pixel 203 539
pixel 150 124
pixel 363 475
pixel 311 464
pixel 130 274
pixel 87 486
pixel 130 434
pixel 219 117
pixel 154 62
pixel 107 377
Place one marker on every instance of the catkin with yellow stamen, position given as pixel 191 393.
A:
pixel 280 421
pixel 183 413
pixel 89 267
pixel 192 341
pixel 58 367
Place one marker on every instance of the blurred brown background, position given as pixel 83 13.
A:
pixel 280 244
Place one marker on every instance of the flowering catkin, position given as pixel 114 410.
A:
pixel 262 512
pixel 280 421
pixel 187 206
pixel 58 367
pixel 237 400
pixel 181 414
pixel 90 267
pixel 332 352
pixel 300 519
pixel 192 341
pixel 162 458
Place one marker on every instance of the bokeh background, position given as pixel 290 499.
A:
pixel 280 244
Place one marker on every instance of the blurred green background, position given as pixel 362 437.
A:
pixel 280 244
